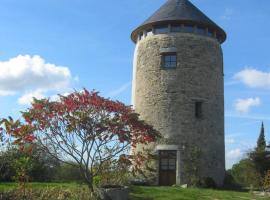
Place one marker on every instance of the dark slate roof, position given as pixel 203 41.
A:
pixel 180 11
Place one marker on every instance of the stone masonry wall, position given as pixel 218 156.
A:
pixel 166 98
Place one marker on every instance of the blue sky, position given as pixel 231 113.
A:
pixel 52 46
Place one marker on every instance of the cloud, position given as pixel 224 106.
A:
pixel 229 140
pixel 234 154
pixel 119 90
pixel 244 105
pixel 254 78
pixel 27 98
pixel 230 83
pixel 57 97
pixel 31 73
pixel 250 117
pixel 227 14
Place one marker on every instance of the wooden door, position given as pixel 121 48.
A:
pixel 167 168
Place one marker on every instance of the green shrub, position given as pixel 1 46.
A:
pixel 208 182
pixel 49 194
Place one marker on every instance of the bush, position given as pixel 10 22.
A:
pixel 43 166
pixel 68 173
pixel 229 182
pixel 48 193
pixel 208 182
pixel 245 174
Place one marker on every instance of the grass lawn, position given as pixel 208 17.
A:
pixel 170 193
pixel 152 193
pixel 11 186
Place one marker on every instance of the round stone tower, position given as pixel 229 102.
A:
pixel 178 88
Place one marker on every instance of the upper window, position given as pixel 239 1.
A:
pixel 161 29
pixel 141 36
pixel 148 32
pixel 201 30
pixel 188 28
pixel 175 28
pixel 210 33
pixel 169 60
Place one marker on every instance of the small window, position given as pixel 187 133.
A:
pixel 188 28
pixel 161 29
pixel 201 30
pixel 148 32
pixel 169 60
pixel 175 28
pixel 141 36
pixel 198 109
pixel 210 33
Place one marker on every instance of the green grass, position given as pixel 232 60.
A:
pixel 153 193
pixel 10 186
pixel 171 193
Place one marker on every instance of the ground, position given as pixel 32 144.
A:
pixel 151 193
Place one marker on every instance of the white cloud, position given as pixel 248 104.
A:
pixel 257 118
pixel 229 140
pixel 254 78
pixel 27 98
pixel 227 14
pixel 57 97
pixel 244 105
pixel 31 73
pixel 119 90
pixel 6 93
pixel 233 156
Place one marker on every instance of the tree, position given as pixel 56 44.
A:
pixel 245 174
pixel 259 156
pixel 43 166
pixel 86 129
pixel 261 143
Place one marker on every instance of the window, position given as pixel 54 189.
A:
pixel 201 30
pixel 188 29
pixel 167 160
pixel 161 29
pixel 148 32
pixel 210 33
pixel 169 60
pixel 141 36
pixel 175 28
pixel 198 109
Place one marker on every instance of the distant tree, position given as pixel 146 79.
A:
pixel 86 129
pixel 252 170
pixel 43 166
pixel 259 155
pixel 7 159
pixel 261 143
pixel 68 173
pixel 245 174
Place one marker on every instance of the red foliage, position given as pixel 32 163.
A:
pixel 84 111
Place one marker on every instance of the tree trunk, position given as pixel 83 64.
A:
pixel 89 181
pixel 90 187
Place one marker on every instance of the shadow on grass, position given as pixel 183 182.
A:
pixel 239 189
pixel 135 194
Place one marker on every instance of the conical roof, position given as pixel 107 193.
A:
pixel 180 11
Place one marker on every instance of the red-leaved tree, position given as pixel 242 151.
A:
pixel 84 128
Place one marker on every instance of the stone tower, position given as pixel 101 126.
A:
pixel 178 88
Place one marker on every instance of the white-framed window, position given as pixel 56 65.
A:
pixel 169 60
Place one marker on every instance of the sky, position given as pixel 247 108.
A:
pixel 50 47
